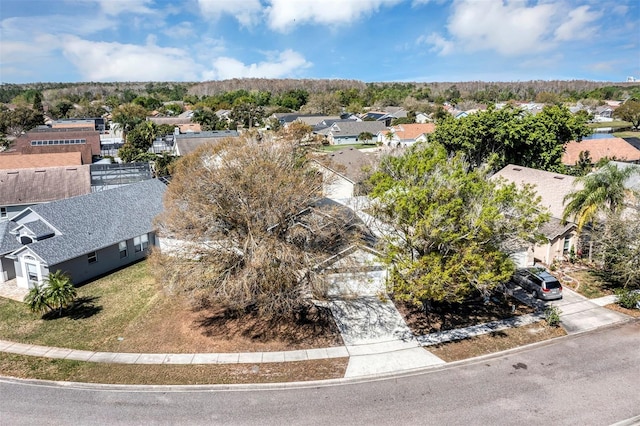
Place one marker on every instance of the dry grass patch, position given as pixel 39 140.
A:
pixel 635 313
pixel 589 284
pixel 126 312
pixel 495 342
pixel 66 370
pixel 445 316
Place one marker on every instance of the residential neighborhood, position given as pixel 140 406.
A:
pixel 315 244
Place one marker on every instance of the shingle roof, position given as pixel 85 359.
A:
pixel 354 128
pixel 551 187
pixel 25 161
pixel 555 228
pixel 40 185
pixel 599 149
pixel 39 228
pixel 8 242
pixel 349 162
pixel 90 222
pixel 189 142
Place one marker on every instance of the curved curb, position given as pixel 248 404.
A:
pixel 301 385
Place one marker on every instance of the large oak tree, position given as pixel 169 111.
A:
pixel 450 229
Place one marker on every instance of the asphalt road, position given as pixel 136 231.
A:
pixel 587 379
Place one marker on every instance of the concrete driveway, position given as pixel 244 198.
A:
pixel 579 314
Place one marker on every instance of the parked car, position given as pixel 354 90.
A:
pixel 540 283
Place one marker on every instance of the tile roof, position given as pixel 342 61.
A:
pixel 599 149
pixel 551 187
pixel 91 222
pixel 412 131
pixel 24 161
pixel 40 185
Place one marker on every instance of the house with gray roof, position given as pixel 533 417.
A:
pixel 347 132
pixel 552 188
pixel 84 236
pixel 187 143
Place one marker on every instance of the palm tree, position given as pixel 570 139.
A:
pixel 603 190
pixel 56 294
pixel 36 299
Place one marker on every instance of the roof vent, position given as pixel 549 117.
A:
pixel 558 177
pixel 517 169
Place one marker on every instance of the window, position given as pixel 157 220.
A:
pixel 92 257
pixel 32 272
pixel 567 245
pixel 141 243
pixel 3 212
pixel 123 249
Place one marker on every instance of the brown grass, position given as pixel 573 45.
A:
pixel 589 284
pixel 66 370
pixel 452 316
pixel 495 342
pixel 635 313
pixel 126 312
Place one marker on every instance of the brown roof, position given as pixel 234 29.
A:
pixel 40 185
pixel 551 187
pixel 88 149
pixel 412 131
pixel 349 162
pixel 598 149
pixel 25 161
pixel 190 127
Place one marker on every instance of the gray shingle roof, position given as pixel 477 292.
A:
pixel 97 220
pixel 354 128
pixel 39 228
pixel 8 242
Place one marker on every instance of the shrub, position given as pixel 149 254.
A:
pixel 628 299
pixel 552 316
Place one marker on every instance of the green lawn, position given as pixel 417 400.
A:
pixel 107 311
pixel 627 134
pixel 332 148
pixel 614 124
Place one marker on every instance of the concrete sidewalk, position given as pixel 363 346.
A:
pixel 377 338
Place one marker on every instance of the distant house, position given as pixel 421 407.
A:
pixel 347 132
pixel 610 148
pixel 343 172
pixel 45 140
pixel 422 118
pixel 552 189
pixel 21 188
pixel 404 135
pixel 97 123
pixel 189 142
pixel 84 236
pixel 381 116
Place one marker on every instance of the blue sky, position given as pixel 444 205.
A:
pixel 368 40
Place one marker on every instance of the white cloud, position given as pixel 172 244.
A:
pixel 283 15
pixel 116 7
pixel 578 26
pixel 512 27
pixel 279 65
pixel 247 12
pixel 439 44
pixel 110 61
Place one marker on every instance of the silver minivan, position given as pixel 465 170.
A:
pixel 540 283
